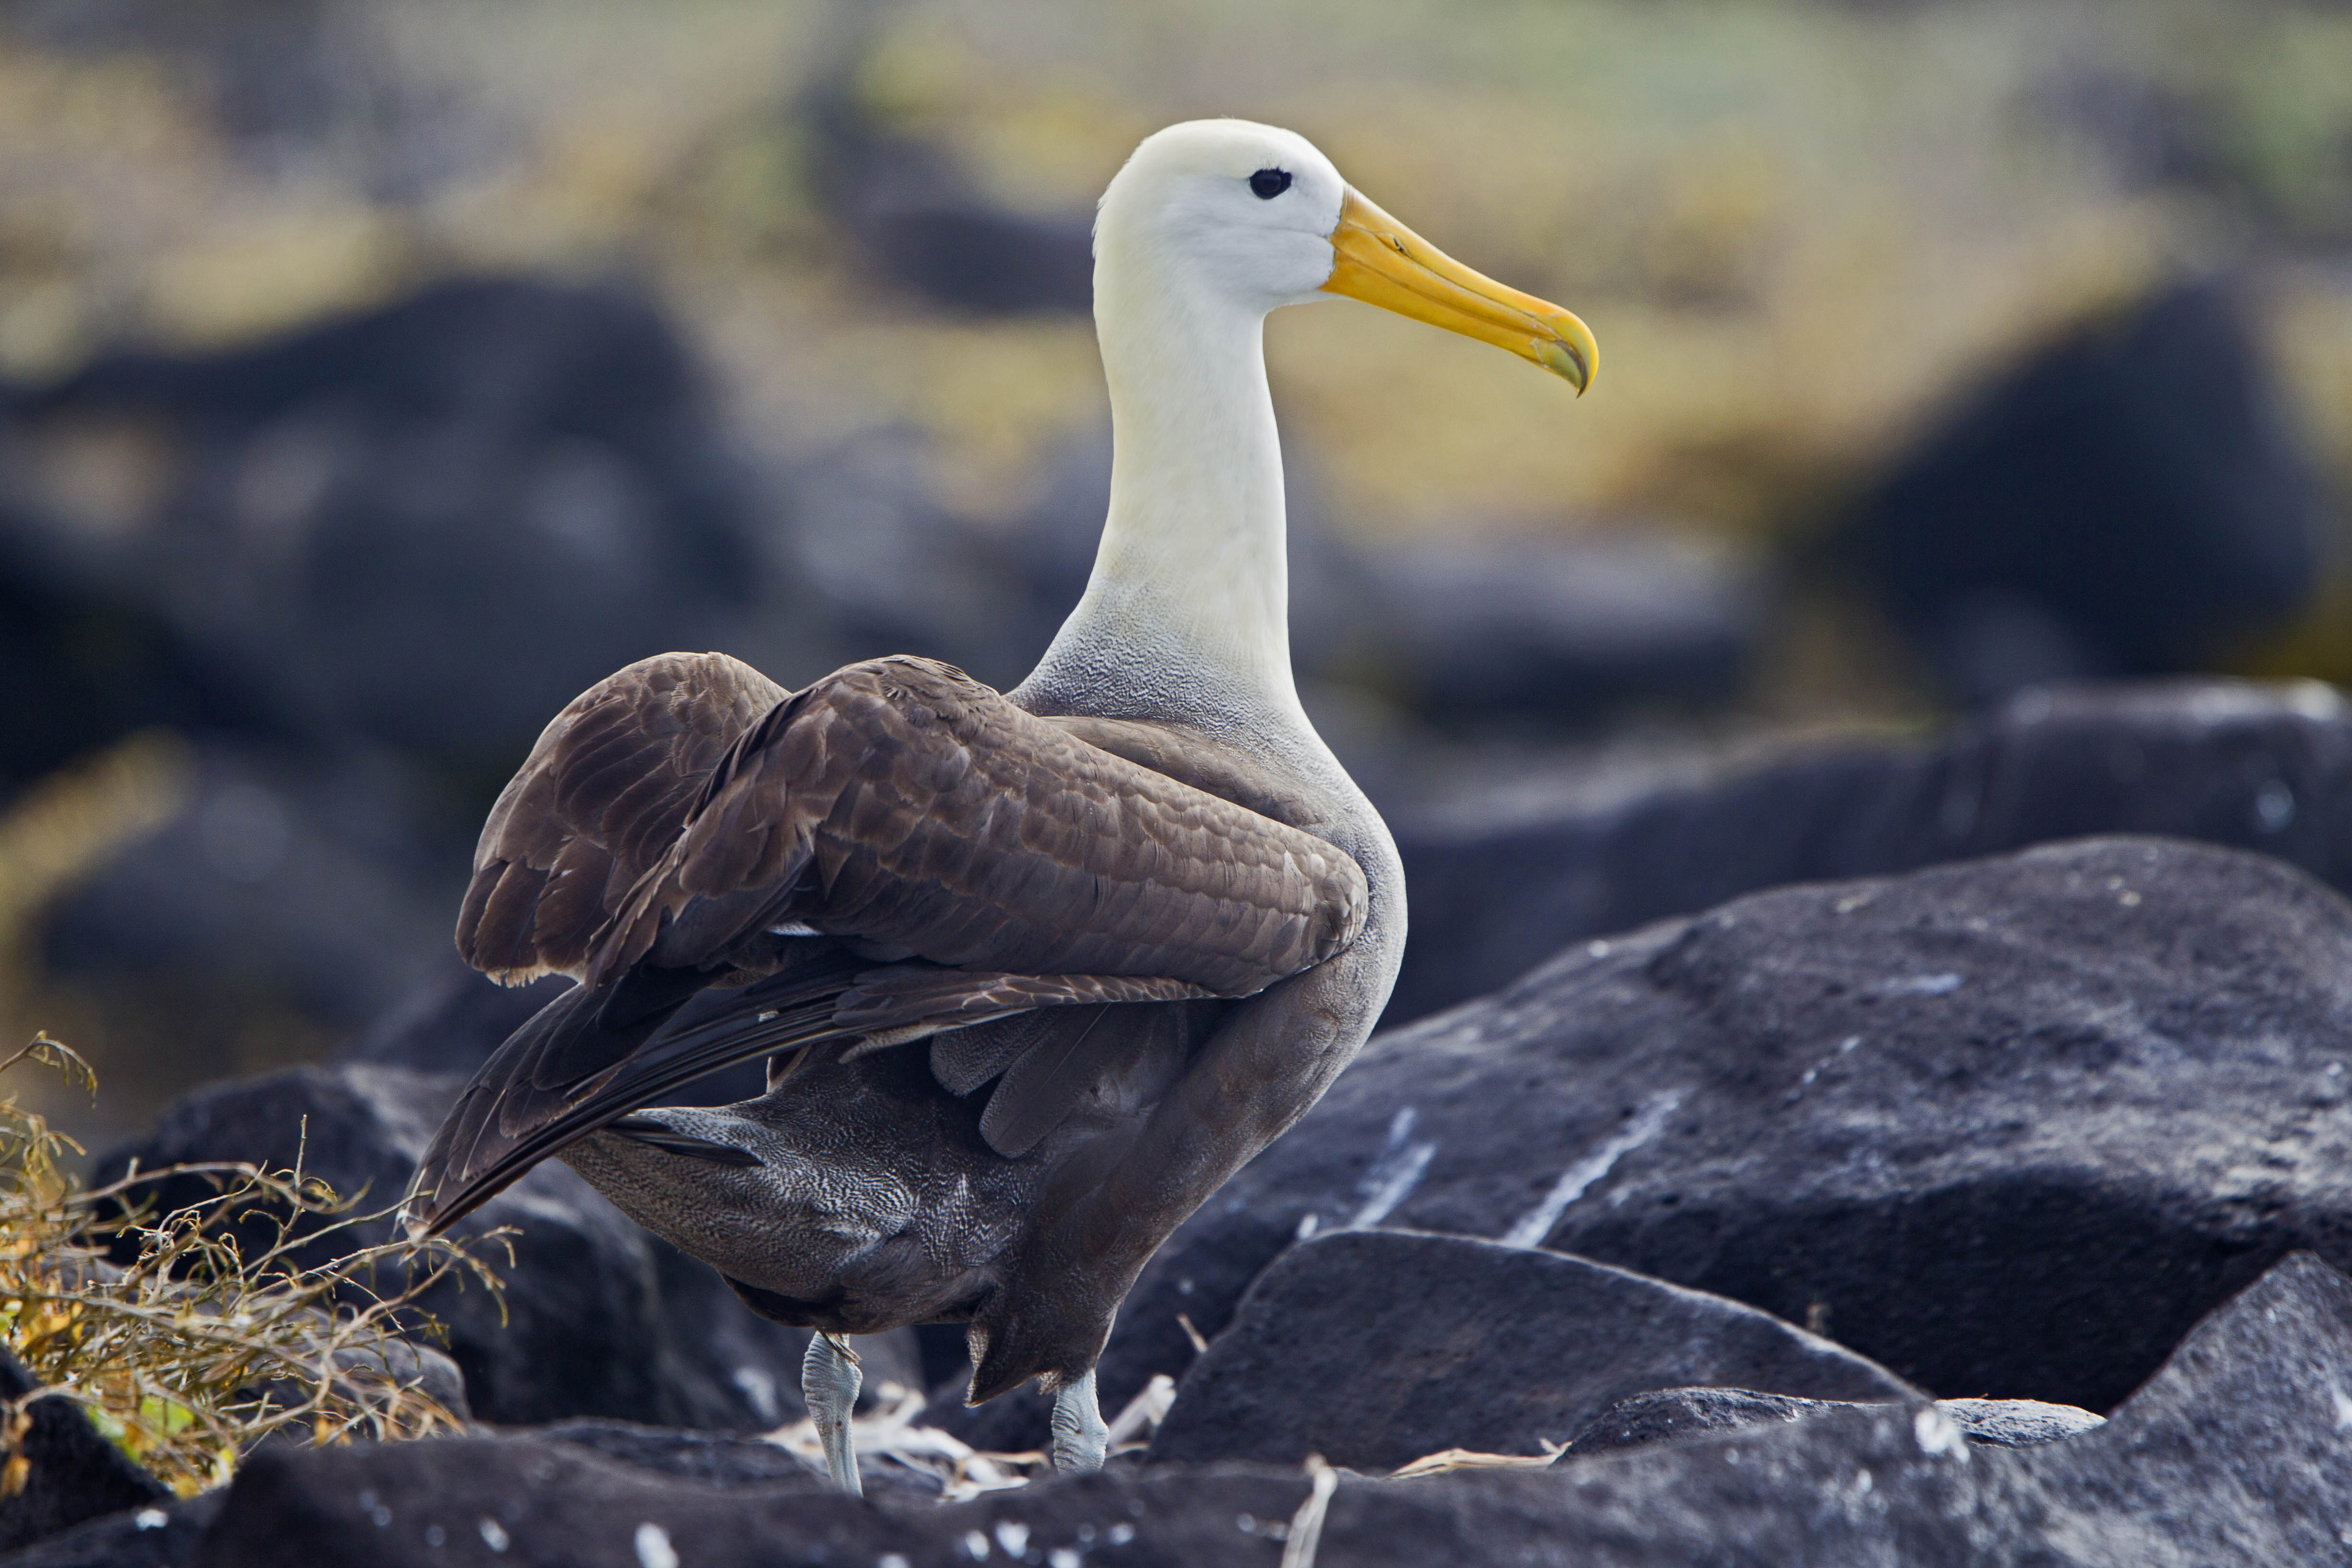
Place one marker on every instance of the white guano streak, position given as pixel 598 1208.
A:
pixel 1394 1174
pixel 1537 1222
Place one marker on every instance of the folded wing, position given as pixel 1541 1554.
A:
pixel 958 860
pixel 904 803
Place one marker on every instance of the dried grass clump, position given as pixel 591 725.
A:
pixel 215 1337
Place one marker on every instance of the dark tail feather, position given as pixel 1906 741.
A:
pixel 632 1008
pixel 661 1135
pixel 590 1058
pixel 581 1033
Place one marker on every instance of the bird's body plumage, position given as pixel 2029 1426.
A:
pixel 1066 907
pixel 1035 972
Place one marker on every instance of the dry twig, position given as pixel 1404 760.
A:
pixel 217 1335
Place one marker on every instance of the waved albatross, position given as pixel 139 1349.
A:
pixel 1033 973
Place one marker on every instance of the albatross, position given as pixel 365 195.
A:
pixel 1033 973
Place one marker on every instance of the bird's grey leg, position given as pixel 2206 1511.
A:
pixel 1081 1441
pixel 829 1382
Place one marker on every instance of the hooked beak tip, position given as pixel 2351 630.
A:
pixel 1567 363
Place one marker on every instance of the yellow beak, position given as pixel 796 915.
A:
pixel 1383 263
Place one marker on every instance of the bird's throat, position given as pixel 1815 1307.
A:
pixel 1190 582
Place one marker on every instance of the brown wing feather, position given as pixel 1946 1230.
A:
pixel 600 800
pixel 901 801
pixel 673 814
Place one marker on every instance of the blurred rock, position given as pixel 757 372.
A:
pixel 2008 1128
pixel 81 667
pixel 351 512
pixel 1375 1348
pixel 599 1317
pixel 74 1473
pixel 919 218
pixel 1676 1415
pixel 2261 767
pixel 284 879
pixel 1555 630
pixel 2125 501
pixel 451 1022
pixel 892 568
pixel 361 565
pixel 2231 1454
pixel 1467 633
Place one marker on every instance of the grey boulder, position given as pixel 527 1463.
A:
pixel 1672 1414
pixel 1375 1348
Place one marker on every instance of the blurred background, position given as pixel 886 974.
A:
pixel 376 374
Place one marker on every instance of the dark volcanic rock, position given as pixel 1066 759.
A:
pixel 1672 1414
pixel 312 560
pixel 723 1459
pixel 2234 1452
pixel 599 1317
pixel 2018 1422
pixel 2261 767
pixel 2231 1455
pixel 1374 1348
pixel 82 665
pixel 1675 1414
pixel 526 1501
pixel 75 1474
pixel 2009 1128
pixel 167 1534
pixel 712 1458
pixel 2123 503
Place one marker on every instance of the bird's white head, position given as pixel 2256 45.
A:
pixel 1228 216
pixel 1244 213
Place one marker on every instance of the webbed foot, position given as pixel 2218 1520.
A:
pixel 829 1382
pixel 1081 1441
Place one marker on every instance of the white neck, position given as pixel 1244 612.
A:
pixel 1190 595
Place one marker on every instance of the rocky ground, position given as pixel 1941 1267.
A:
pixel 1991 1212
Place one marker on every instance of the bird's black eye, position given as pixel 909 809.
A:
pixel 1268 183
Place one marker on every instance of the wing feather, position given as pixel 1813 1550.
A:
pixel 942 819
pixel 599 801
